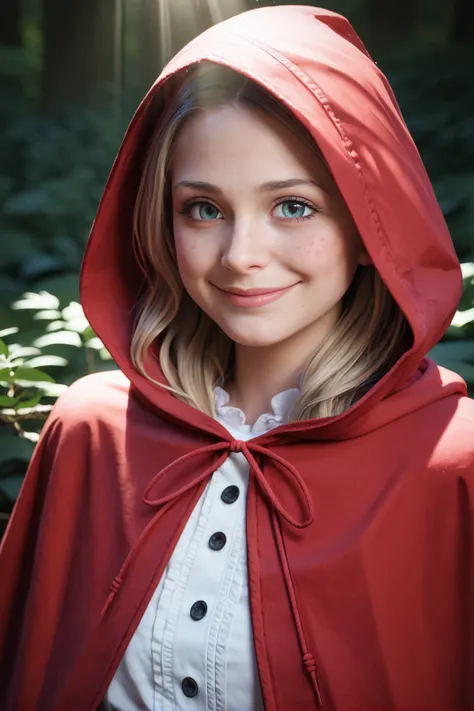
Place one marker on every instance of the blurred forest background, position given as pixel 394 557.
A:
pixel 71 74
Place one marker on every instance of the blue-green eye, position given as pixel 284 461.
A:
pixel 204 211
pixel 293 209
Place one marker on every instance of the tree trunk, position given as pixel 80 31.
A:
pixel 463 22
pixel 150 42
pixel 168 25
pixel 10 23
pixel 11 82
pixel 80 51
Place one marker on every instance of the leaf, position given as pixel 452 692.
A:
pixel 3 348
pixel 94 343
pixel 32 436
pixel 18 351
pixel 461 318
pixel 54 326
pixel 32 375
pixel 6 401
pixel 47 315
pixel 6 374
pixel 74 317
pixel 28 402
pixel 41 300
pixel 48 389
pixel 8 331
pixel 73 310
pixel 88 333
pixel 65 338
pixel 78 325
pixel 467 270
pixel 44 361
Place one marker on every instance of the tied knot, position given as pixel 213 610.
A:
pixel 114 588
pixel 309 663
pixel 236 446
pixel 115 585
pixel 250 450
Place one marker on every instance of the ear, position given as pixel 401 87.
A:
pixel 364 259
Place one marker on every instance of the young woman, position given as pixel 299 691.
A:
pixel 269 506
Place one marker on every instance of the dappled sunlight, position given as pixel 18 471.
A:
pixel 182 19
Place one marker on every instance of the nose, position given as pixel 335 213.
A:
pixel 245 248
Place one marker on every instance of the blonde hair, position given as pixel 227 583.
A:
pixel 195 354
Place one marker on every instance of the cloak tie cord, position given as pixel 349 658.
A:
pixel 248 449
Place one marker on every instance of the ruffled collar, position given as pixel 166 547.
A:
pixel 281 406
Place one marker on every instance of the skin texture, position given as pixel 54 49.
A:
pixel 239 233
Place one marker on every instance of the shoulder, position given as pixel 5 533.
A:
pixel 454 449
pixel 439 418
pixel 93 398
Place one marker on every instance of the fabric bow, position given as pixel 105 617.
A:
pixel 247 449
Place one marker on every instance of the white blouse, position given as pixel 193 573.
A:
pixel 193 648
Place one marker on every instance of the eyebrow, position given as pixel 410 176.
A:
pixel 271 186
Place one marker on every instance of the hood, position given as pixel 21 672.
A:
pixel 313 61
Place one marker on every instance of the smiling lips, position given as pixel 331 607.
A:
pixel 251 298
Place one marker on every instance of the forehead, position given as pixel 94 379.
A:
pixel 235 142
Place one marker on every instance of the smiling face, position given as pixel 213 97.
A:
pixel 264 241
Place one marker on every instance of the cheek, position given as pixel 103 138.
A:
pixel 315 253
pixel 323 253
pixel 184 253
pixel 194 256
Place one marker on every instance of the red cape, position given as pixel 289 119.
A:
pixel 371 604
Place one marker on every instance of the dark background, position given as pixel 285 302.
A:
pixel 71 75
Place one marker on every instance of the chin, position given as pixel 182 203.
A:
pixel 253 339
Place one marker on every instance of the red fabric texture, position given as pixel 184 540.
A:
pixel 360 527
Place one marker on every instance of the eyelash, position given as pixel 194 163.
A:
pixel 299 201
pixel 186 209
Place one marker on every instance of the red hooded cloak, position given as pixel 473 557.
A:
pixel 360 527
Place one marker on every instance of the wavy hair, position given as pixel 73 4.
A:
pixel 195 354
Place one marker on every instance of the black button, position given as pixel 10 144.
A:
pixel 217 541
pixel 189 687
pixel 198 610
pixel 230 494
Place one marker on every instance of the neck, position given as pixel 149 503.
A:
pixel 258 377
pixel 260 372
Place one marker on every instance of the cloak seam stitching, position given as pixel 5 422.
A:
pixel 316 90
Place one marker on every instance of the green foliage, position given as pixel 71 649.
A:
pixel 438 107
pixel 52 175
pixel 456 350
pixel 28 382
pixel 51 178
